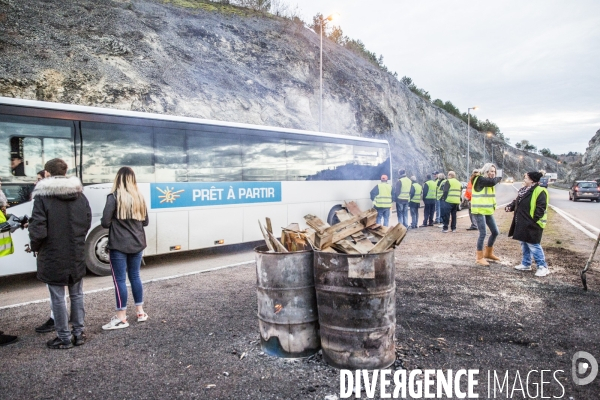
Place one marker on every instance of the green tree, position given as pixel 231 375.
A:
pixel 337 35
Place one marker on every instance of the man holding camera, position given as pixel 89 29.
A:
pixel 60 220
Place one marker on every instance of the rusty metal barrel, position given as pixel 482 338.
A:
pixel 287 303
pixel 356 297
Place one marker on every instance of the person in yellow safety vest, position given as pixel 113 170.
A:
pixel 450 200
pixel 439 181
pixel 401 195
pixel 382 200
pixel 416 192
pixel 6 248
pixel 483 206
pixel 429 198
pixel 468 194
pixel 529 221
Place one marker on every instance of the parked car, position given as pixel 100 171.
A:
pixel 544 181
pixel 584 190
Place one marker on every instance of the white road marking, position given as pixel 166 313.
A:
pixel 148 281
pixel 576 222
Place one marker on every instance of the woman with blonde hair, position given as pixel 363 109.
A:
pixel 125 216
pixel 483 206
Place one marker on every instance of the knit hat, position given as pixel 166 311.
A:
pixel 401 172
pixel 534 176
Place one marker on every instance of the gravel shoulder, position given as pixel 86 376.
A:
pixel 203 328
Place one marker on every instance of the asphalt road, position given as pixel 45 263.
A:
pixel 583 210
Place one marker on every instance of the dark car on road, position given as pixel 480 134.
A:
pixel 584 190
pixel 544 181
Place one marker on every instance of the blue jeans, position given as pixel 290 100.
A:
pixel 482 221
pixel 438 209
pixel 60 313
pixel 383 213
pixel 123 265
pixel 535 251
pixel 402 211
pixel 414 215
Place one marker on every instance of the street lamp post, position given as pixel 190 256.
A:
pixel 323 23
pixel 469 137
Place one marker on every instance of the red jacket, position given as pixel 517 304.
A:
pixel 469 191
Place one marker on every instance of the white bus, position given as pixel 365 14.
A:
pixel 206 182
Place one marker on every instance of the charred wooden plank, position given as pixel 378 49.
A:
pixel 269 226
pixel 395 234
pixel 266 237
pixel 353 208
pixel 278 246
pixel 345 246
pixel 316 223
pixel 343 215
pixel 364 246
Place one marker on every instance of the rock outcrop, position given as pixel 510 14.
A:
pixel 589 167
pixel 230 64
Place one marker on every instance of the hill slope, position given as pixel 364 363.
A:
pixel 226 63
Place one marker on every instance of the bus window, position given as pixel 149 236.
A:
pixel 214 157
pixel 108 147
pixel 170 159
pixel 33 156
pixel 26 144
pixel 264 159
pixel 303 159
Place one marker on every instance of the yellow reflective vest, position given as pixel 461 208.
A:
pixel 418 191
pixel 440 192
pixel 405 189
pixel 454 191
pixel 431 190
pixel 534 196
pixel 483 202
pixel 384 198
pixel 6 244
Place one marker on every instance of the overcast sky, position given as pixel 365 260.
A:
pixel 533 67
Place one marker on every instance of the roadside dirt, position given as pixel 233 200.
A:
pixel 203 329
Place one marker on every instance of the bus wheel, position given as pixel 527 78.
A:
pixel 332 219
pixel 96 254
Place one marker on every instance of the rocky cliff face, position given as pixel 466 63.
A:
pixel 226 64
pixel 589 167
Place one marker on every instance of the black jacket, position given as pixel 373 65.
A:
pixel 124 235
pixel 60 220
pixel 523 227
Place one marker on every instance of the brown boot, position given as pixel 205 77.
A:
pixel 489 254
pixel 480 260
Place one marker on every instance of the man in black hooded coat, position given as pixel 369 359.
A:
pixel 60 221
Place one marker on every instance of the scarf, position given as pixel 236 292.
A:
pixel 524 191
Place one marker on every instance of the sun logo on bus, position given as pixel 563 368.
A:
pixel 169 196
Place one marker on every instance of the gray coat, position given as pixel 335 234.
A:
pixel 59 223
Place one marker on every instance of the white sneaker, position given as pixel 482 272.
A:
pixel 542 271
pixel 115 323
pixel 141 317
pixel 522 267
